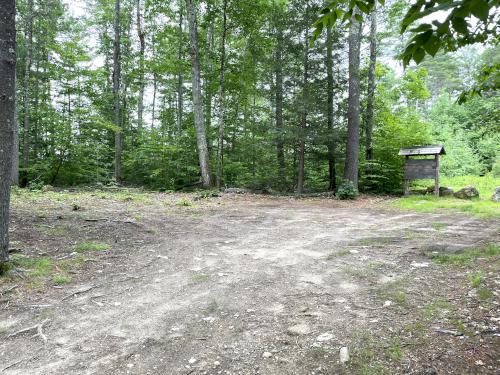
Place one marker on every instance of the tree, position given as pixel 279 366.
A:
pixel 303 120
pixel 371 86
pixel 26 86
pixel 220 142
pixel 352 146
pixel 7 118
pixel 332 175
pixel 199 121
pixel 142 42
pixel 116 91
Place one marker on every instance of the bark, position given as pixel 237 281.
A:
pixel 155 86
pixel 220 143
pixel 7 117
pixel 26 85
pixel 142 42
pixel 180 78
pixel 331 139
pixel 352 147
pixel 116 92
pixel 280 153
pixel 199 121
pixel 208 75
pixel 371 87
pixel 303 122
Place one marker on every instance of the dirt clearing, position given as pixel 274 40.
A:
pixel 242 284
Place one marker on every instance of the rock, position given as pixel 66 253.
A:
pixel 445 192
pixel 344 354
pixel 236 191
pixel 46 188
pixel 192 361
pixel 299 329
pixel 387 303
pixel 467 192
pixel 267 355
pixel 324 337
pixel 419 265
pixel 496 195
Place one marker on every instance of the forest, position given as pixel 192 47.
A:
pixel 266 187
pixel 108 93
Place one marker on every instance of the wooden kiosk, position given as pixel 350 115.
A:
pixel 422 168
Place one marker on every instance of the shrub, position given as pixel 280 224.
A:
pixel 346 190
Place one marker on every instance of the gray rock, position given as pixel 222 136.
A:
pixel 344 354
pixel 237 191
pixel 445 191
pixel 467 192
pixel 267 355
pixel 299 329
pixel 496 195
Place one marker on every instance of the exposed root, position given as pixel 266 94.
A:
pixel 37 327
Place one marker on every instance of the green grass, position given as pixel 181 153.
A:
pixel 466 256
pixel 184 203
pixel 438 225
pixel 483 207
pixel 91 246
pixel 484 293
pixel 200 278
pixel 60 279
pixel 36 267
pixel 436 309
pixel 476 279
pixel 393 291
pixel 337 254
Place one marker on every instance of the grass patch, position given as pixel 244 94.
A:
pixel 436 309
pixel 317 353
pixel 438 225
pixel 60 279
pixel 337 254
pixel 200 278
pixel 360 273
pixel 91 246
pixel 393 291
pixel 184 203
pixel 464 257
pixel 212 308
pixel 484 293
pixel 476 279
pixel 36 267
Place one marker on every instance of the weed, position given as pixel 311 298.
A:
pixel 466 256
pixel 212 307
pixel 200 278
pixel 184 203
pixel 317 353
pixel 337 254
pixel 395 351
pixel 484 293
pixel 376 241
pixel 438 225
pixel 37 267
pixel 476 279
pixel 91 246
pixel 361 273
pixel 393 291
pixel 436 309
pixel 60 279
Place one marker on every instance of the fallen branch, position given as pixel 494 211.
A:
pixel 7 290
pixel 37 327
pixel 18 362
pixel 81 291
pixel 449 332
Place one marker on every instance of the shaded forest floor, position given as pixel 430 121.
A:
pixel 136 283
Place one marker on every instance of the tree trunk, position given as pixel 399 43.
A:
pixel 140 101
pixel 371 86
pixel 220 143
pixel 180 79
pixel 7 117
pixel 199 121
pixel 352 147
pixel 280 153
pixel 303 122
pixel 15 151
pixel 332 175
pixel 26 88
pixel 116 92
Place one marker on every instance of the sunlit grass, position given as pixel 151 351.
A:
pixel 466 256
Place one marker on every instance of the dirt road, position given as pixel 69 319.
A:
pixel 249 285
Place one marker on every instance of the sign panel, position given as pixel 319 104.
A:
pixel 420 168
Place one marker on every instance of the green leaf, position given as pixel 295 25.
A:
pixel 422 27
pixel 432 45
pixel 460 25
pixel 359 17
pixel 480 9
pixel 418 55
pixel 362 6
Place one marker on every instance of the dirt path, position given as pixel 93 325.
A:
pixel 252 285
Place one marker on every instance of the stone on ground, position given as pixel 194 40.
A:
pixel 496 195
pixel 344 354
pixel 467 192
pixel 299 329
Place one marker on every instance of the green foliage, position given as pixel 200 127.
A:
pixel 466 256
pixel 91 246
pixel 476 279
pixel 346 190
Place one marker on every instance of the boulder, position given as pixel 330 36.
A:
pixel 237 191
pixel 445 191
pixel 46 188
pixel 496 195
pixel 467 192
